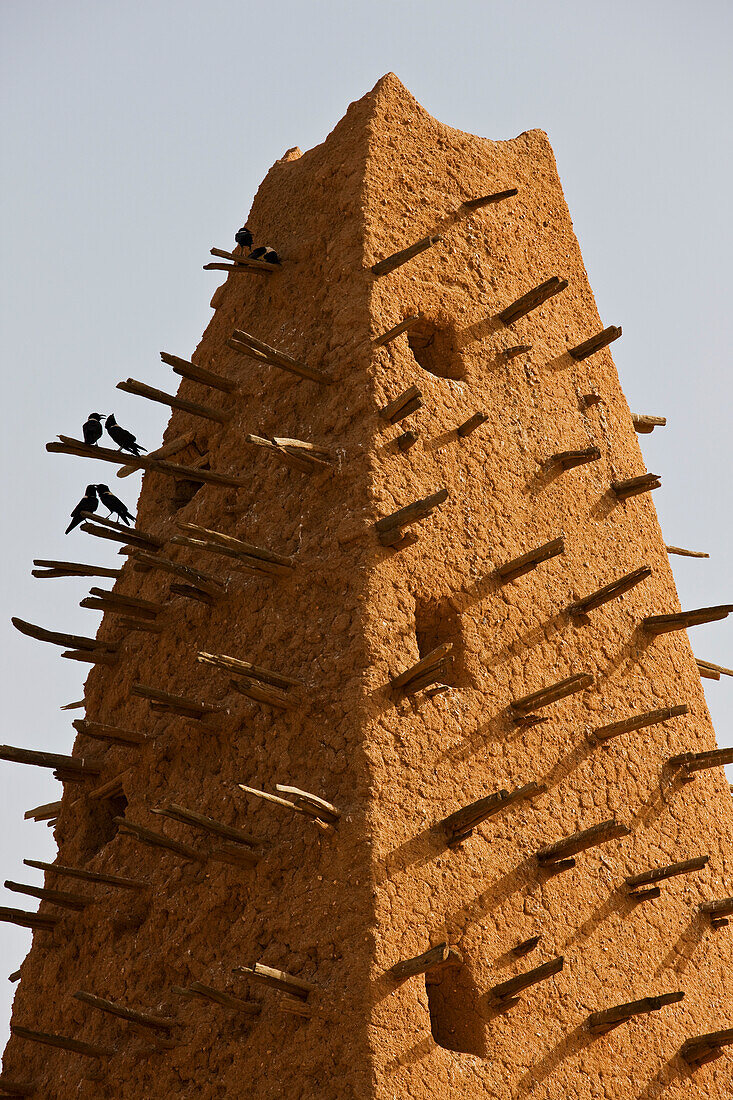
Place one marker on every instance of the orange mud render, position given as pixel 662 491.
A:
pixel 419 757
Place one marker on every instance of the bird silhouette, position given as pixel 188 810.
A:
pixel 114 504
pixel 264 252
pixel 125 440
pixel 88 503
pixel 243 237
pixel 93 428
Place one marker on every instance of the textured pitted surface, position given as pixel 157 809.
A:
pixel 339 907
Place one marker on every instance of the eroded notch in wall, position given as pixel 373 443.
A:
pixel 435 348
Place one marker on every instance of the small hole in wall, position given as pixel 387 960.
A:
pixel 435 349
pixel 436 622
pixel 453 1001
pixel 99 826
pixel 184 492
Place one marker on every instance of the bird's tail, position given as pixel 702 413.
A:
pixel 72 525
pixel 137 449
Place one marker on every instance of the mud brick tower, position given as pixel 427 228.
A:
pixel 395 777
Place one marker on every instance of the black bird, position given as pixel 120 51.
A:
pixel 243 237
pixel 93 428
pixel 114 504
pixel 125 440
pixel 264 252
pixel 88 503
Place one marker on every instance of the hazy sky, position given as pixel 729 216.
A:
pixel 134 135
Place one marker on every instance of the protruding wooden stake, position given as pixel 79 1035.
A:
pixel 211 586
pixel 76 766
pixel 257 683
pixel 434 958
pixel 157 840
pixel 48 812
pixel 179 443
pixel 132 535
pixel 551 694
pixel 703 1048
pixel 398 329
pixel 294 452
pixel 595 343
pixel 526 946
pixel 222 416
pixel 570 846
pixel 427 670
pixel 701 761
pixel 600 1022
pixel 246 344
pixel 681 620
pixel 176 704
pixel 69 446
pixel 505 993
pixel 52 636
pixel 567 460
pixel 636 722
pixel 519 566
pixel 459 825
pixel 50 568
pixel 90 656
pixel 62 898
pixel 398 258
pixel 518 349
pixel 88 876
pixel 194 373
pixel 142 1019
pixel 686 553
pixel 390 527
pixel 634 486
pixel 489 200
pixel 240 263
pixel 402 405
pixel 718 911
pixel 217 996
pixel 610 591
pixel 113 787
pixel 321 812
pixel 277 979
pixel 709 671
pixel 41 922
pixel 471 424
pixel 89 1050
pixel 235 547
pixel 407 439
pixel 646 424
pixel 532 299
pixel 206 824
pixel 659 874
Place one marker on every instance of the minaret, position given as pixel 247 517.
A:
pixel 395 777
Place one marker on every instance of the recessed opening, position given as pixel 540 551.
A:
pixel 435 348
pixel 437 622
pixel 99 825
pixel 184 492
pixel 453 1000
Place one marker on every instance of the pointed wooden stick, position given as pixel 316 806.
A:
pixel 532 299
pixel 471 424
pixel 433 959
pixel 48 812
pixel 143 1019
pixel 398 258
pixel 267 797
pixel 129 603
pixel 247 670
pixel 396 331
pixel 78 705
pixel 130 539
pixel 311 803
pixel 701 761
pixel 61 898
pixel 186 369
pixel 518 349
pixel 243 342
pixel 567 460
pixel 521 565
pixel 686 553
pixel 402 405
pixel 90 656
pixel 634 486
pixel 579 842
pixel 76 764
pixel 458 826
pixel 277 979
pixel 646 424
pixel 157 840
pixel 489 200
pixel 43 635
pixel 712 670
pixel 203 822
pixel 113 734
pixel 116 606
pixel 551 694
pixel 610 591
pixel 696 1049
pixel 595 343
pixel 219 997
pixel 222 416
pixel 500 994
pixel 88 876
pixel 659 874
pixel 681 620
pixel 389 526
pixel 69 446
pixel 407 439
pixel 212 586
pixel 434 659
pixel 177 704
pixel 601 1022
pixel 636 722
pixel 71 569
pixel 41 922
pixel 89 1050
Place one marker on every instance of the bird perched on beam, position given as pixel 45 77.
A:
pixel 265 253
pixel 114 504
pixel 88 503
pixel 243 237
pixel 93 428
pixel 125 440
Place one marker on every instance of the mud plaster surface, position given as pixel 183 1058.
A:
pixel 340 908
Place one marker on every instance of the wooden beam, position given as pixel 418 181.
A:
pixel 505 992
pixel 397 330
pixel 76 764
pixel 249 671
pixel 397 259
pixel 701 761
pixel 646 424
pixel 406 440
pixel 133 1015
pixel 570 846
pixel 219 997
pixel 595 343
pixel 69 446
pixel 524 947
pixel 471 424
pixel 686 553
pixel 311 803
pixel 194 373
pixel 41 922
pixel 433 959
pixel 50 568
pixel 115 735
pixel 389 526
pixel 139 389
pixel 489 200
pixel 402 405
pixel 709 667
pixel 611 591
pixel 567 460
pixel 90 656
pixel 551 694
pixel 212 586
pixel 696 1049
pixel 514 352
pixel 277 979
pixel 88 876
pixel 681 620
pixel 659 874
pixel 261 267
pixel 75 1046
pixel 157 840
pixel 55 638
pixel 526 562
pixel 600 1022
pixel 61 898
pixel 178 704
pixel 206 824
pixel 293 452
pixel 637 722
pixel 532 299
pixel 431 662
pixel 48 812
pixel 247 344
pixel 166 451
pixel 458 826
pixel 634 486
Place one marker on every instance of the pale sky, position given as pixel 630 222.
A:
pixel 134 135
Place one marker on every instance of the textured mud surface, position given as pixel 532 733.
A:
pixel 340 907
